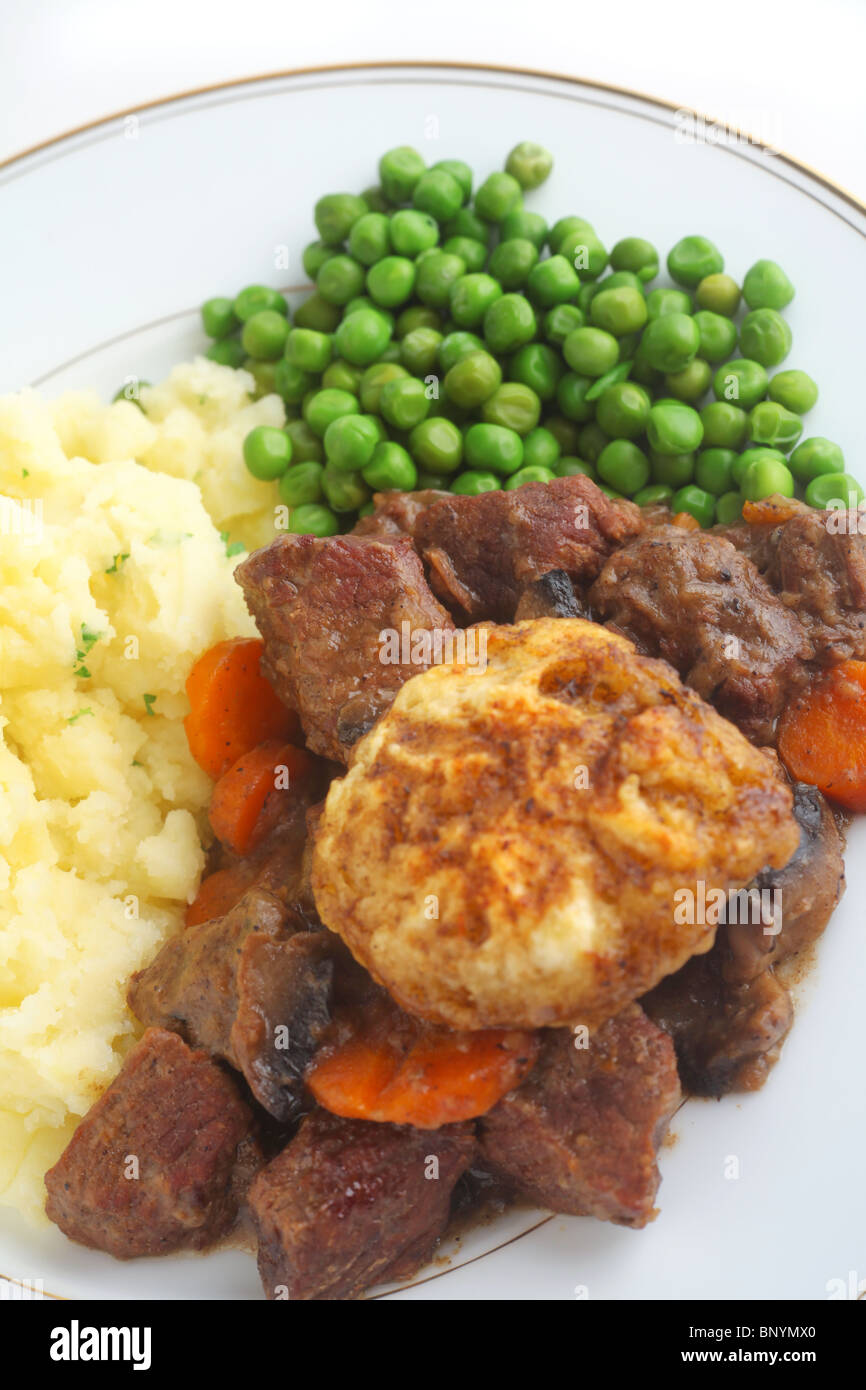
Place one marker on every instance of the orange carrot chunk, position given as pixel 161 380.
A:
pixel 822 735
pixel 217 895
pixel 233 707
pixel 248 800
pixel 441 1078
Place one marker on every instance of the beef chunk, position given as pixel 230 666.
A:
pixel 694 600
pixel 181 1118
pixel 322 607
pixel 395 513
pixel 581 1134
pixel 728 1012
pixel 253 987
pixel 350 1203
pixel 816 562
pixel 482 550
pixel 551 596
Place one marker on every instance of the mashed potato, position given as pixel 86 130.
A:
pixel 113 578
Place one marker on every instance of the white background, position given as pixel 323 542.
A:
pixel 788 71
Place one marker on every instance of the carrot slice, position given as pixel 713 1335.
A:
pixel 686 521
pixel 822 736
pixel 771 511
pixel 217 895
pixel 442 1077
pixel 248 800
pixel 233 707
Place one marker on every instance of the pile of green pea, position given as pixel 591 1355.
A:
pixel 455 340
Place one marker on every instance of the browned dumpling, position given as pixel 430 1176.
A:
pixel 508 847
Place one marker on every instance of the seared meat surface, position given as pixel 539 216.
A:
pixel 178 1117
pixel 816 562
pixel 696 601
pixel 350 1203
pixel 581 1134
pixel 551 596
pixel 323 607
pixel 481 551
pixel 396 513
pixel 728 1012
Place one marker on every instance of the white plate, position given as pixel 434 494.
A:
pixel 111 237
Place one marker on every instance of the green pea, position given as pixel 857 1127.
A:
pixel 771 423
pixel 264 335
pixel 467 223
pixel 362 337
pixel 766 286
pixel 413 232
pixel 653 495
pixel 218 317
pixel 374 380
pixel 764 478
pixel 622 279
pixel 637 255
pixel 390 467
pixel 533 473
pixel 567 227
pixel 228 352
pixel 719 294
pixel 345 492
pixel 572 467
pixel 514 406
pixel 672 470
pixel 622 465
pixel 267 452
pixel 729 508
pixel 255 298
pixel 497 196
pixel 717 334
pixel 460 171
pixel 619 372
pixel 317 313
pixel 830 491
pixel 416 316
pixel 541 448
pixel 744 461
pixel 714 470
pixel 512 261
pixel 326 406
pixel 661 302
pixel 399 171
pixel 419 351
pixel 472 379
pixel 370 238
pixel 619 311
pixel 571 395
pixel 669 343
pixel 342 375
pixel 530 226
pixel 590 351
pixel 585 252
pixel 313 520
pixel 336 214
pixel 404 403
pixel 314 256
pixel 363 301
pixel 536 365
pixel 692 382
pixel 290 382
pixel 306 445
pixel 565 432
pixel 815 456
pixel 699 504
pixel 741 382
pixel 301 484
pixel 438 272
pixel 765 337
pixel 470 298
pixel 725 426
pixel 585 295
pixel 437 445
pixel 692 259
pixel 473 254
pixel 340 279
pixel 391 280
pixel 529 164
pixel 509 322
pixel 263 373
pixel 349 443
pixel 438 193
pixel 307 349
pixel 591 439
pixel 473 482
pixel 623 410
pixel 794 390
pixel 561 320
pixel 493 448
pixel 554 281
pixel 375 199
pixel 457 345
pixel 437 481
pixel 674 428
